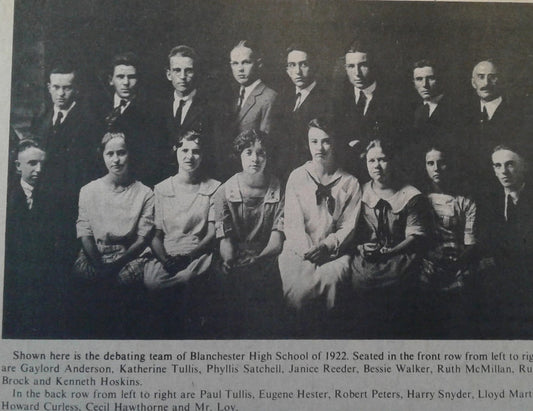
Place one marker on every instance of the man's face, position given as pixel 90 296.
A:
pixel 358 70
pixel 509 168
pixel 124 81
pixel 62 89
pixel 30 164
pixel 485 81
pixel 244 66
pixel 298 69
pixel 426 83
pixel 181 74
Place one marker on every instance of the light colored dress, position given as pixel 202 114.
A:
pixel 114 219
pixel 249 221
pixel 387 223
pixel 183 217
pixel 309 222
pixel 454 219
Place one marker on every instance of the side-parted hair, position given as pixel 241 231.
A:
pixel 63 68
pixel 425 63
pixel 256 52
pixel 27 143
pixel 189 135
pixel 515 148
pixel 306 48
pixel 387 147
pixel 360 45
pixel 125 59
pixel 248 138
pixel 184 51
pixel 325 125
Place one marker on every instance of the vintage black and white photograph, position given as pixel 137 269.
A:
pixel 283 169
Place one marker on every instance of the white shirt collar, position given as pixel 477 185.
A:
pixel 304 92
pixel 491 106
pixel 433 103
pixel 188 99
pixel 248 89
pixel 117 100
pixel 65 112
pixel 28 188
pixel 369 93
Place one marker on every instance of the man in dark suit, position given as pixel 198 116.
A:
pixel 67 132
pixel 507 227
pixel 129 112
pixel 364 110
pixel 27 289
pixel 300 104
pixel 189 107
pixel 248 106
pixel 490 119
pixel 433 114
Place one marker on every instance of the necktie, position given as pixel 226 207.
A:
pixel 29 201
pixel 297 101
pixel 383 232
pixel 484 115
pixel 179 111
pixel 323 193
pixel 426 110
pixel 117 111
pixel 241 100
pixel 361 103
pixel 511 209
pixel 58 120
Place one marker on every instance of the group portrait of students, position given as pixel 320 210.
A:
pixel 308 213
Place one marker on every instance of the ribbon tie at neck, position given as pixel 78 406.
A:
pixel 323 193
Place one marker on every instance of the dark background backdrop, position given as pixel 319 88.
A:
pixel 90 32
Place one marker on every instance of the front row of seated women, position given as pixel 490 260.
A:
pixel 327 259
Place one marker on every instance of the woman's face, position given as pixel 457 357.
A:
pixel 378 165
pixel 189 156
pixel 254 159
pixel 320 145
pixel 116 156
pixel 436 166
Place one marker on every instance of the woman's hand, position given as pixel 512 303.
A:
pixel 318 254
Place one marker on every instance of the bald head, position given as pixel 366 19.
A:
pixel 485 80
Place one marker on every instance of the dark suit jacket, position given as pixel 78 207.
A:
pixel 144 138
pixel 290 128
pixel 381 120
pixel 477 139
pixel 441 120
pixel 199 117
pixel 70 154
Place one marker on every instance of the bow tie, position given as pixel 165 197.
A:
pixel 323 193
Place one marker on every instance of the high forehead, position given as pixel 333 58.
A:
pixel 356 57
pixel 296 56
pixel 189 144
pixel 116 143
pixel 31 153
pixel 425 71
pixel 180 61
pixel 123 69
pixel 316 133
pixel 434 154
pixel 504 156
pixel 241 53
pixel 484 67
pixel 375 152
pixel 62 79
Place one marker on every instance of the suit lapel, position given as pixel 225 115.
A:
pixel 195 110
pixel 250 101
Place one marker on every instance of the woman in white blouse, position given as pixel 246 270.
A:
pixel 321 209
